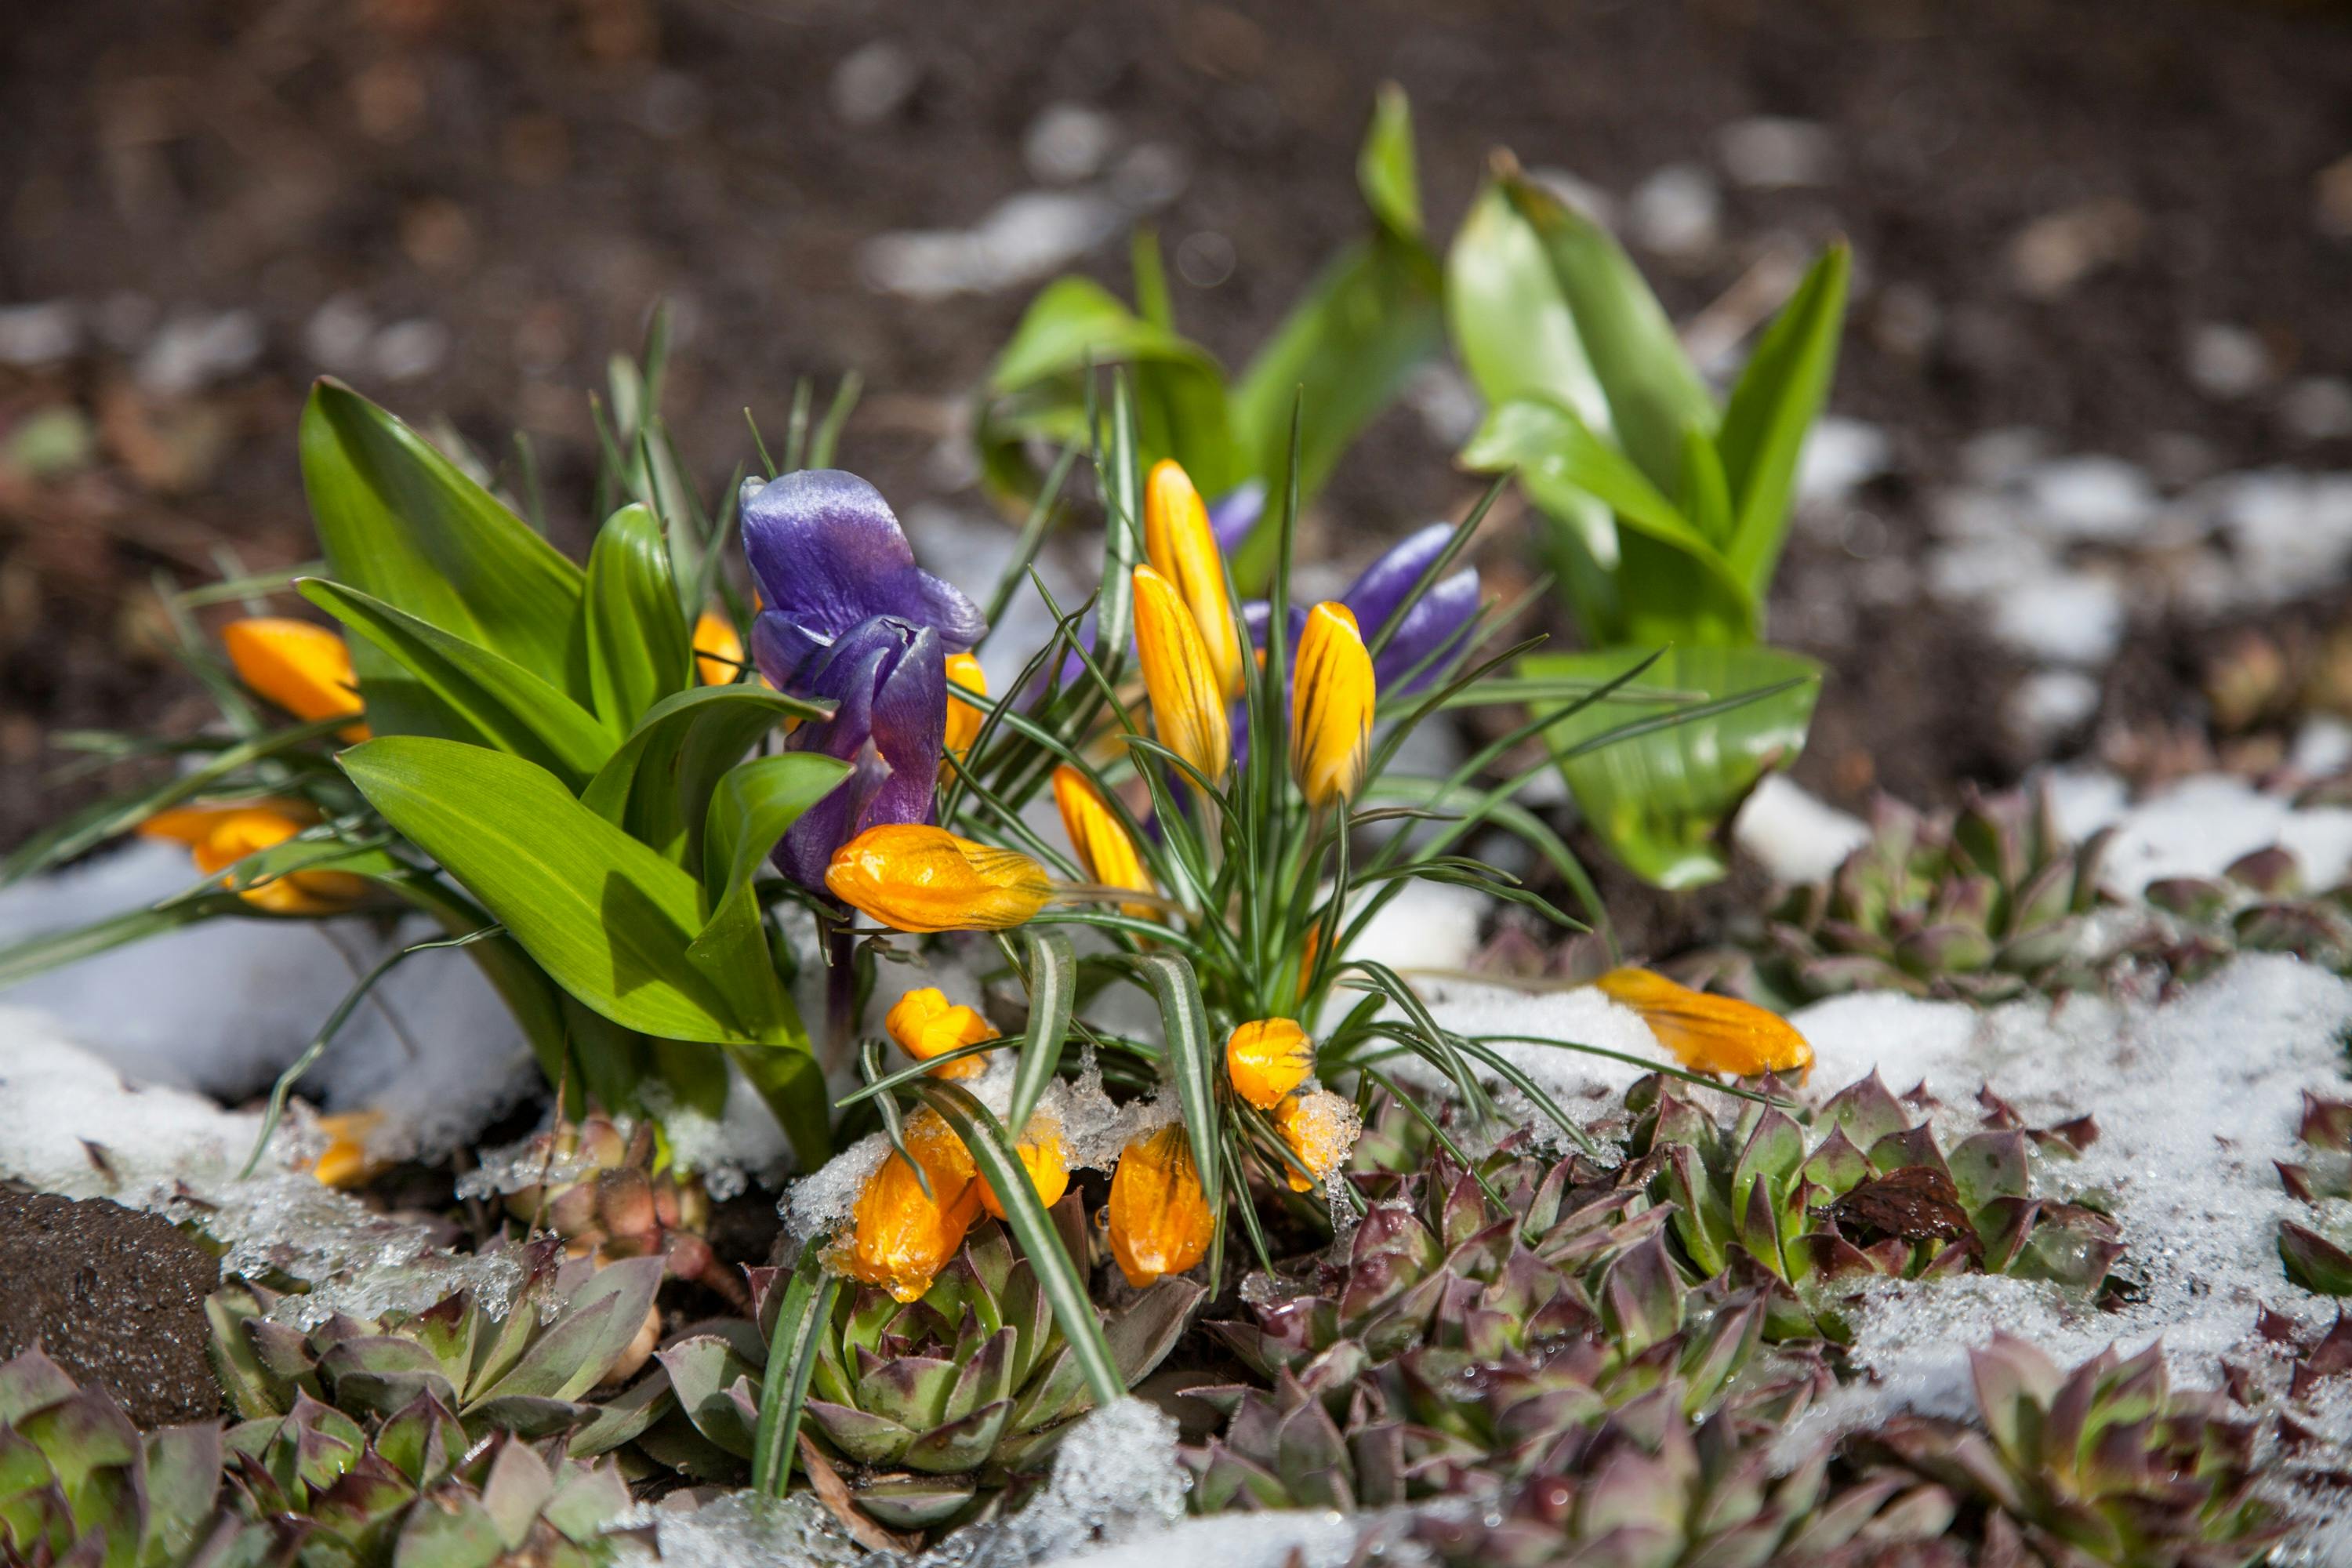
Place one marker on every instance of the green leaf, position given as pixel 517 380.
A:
pixel 399 520
pixel 1037 390
pixel 1052 986
pixel 1659 799
pixel 792 1361
pixel 1706 493
pixel 1385 169
pixel 1772 410
pixel 639 650
pixel 751 808
pixel 1041 1243
pixel 1191 1061
pixel 607 918
pixel 494 698
pixel 657 783
pixel 1670 582
pixel 1654 393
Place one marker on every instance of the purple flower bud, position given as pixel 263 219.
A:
pixel 888 680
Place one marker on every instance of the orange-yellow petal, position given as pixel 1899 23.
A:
pixel 964 718
pixel 1710 1033
pixel 1159 1219
pixel 218 837
pixel 1266 1058
pixel 1105 849
pixel 304 669
pixel 1178 544
pixel 924 1026
pixel 1043 1157
pixel 1321 1129
pixel 1331 698
pixel 345 1163
pixel 1187 703
pixel 718 649
pixel 915 877
pixel 901 1237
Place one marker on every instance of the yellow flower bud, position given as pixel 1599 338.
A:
pixel 1045 1158
pixel 1266 1058
pixel 925 1027
pixel 1159 1220
pixel 1320 1128
pixel 718 649
pixel 1332 696
pixel 1179 544
pixel 899 1237
pixel 218 837
pixel 1710 1033
pixel 964 718
pixel 916 878
pixel 345 1163
pixel 304 669
pixel 1106 850
pixel 1188 702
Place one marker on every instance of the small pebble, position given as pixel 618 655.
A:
pixel 874 83
pixel 411 350
pixel 1677 212
pixel 1770 152
pixel 41 333
pixel 2091 496
pixel 2226 361
pixel 338 333
pixel 1068 142
pixel 2318 407
pixel 195 349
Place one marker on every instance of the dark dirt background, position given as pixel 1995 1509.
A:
pixel 532 174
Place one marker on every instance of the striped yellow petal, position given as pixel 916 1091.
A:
pixel 1188 704
pixel 718 649
pixel 964 718
pixel 305 669
pixel 1179 544
pixel 901 1237
pixel 1105 851
pixel 1331 698
pixel 925 1026
pixel 1043 1157
pixel 1710 1033
pixel 1266 1058
pixel 1159 1219
pixel 915 877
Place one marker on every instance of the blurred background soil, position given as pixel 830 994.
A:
pixel 465 206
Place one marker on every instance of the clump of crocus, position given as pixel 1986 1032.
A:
pixel 1158 1221
pixel 918 878
pixel 925 1026
pixel 1265 1058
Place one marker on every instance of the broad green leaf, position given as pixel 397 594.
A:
pixel 639 650
pixel 1052 986
pixel 1036 390
pixel 751 808
pixel 1386 172
pixel 1772 410
pixel 657 783
pixel 607 918
pixel 1659 800
pixel 1654 393
pixel 1671 584
pixel 399 520
pixel 498 700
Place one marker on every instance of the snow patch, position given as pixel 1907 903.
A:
pixel 1793 836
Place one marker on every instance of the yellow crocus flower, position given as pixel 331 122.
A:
pixel 964 718
pixel 304 669
pixel 1187 703
pixel 1320 1128
pixel 916 878
pixel 1159 1219
pixel 1266 1058
pixel 218 837
pixel 1105 849
pixel 1710 1033
pixel 718 649
pixel 1178 543
pixel 924 1026
pixel 1043 1157
pixel 1331 698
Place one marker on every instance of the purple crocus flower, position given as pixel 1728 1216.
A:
pixel 888 680
pixel 830 556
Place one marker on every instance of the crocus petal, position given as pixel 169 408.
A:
pixel 887 680
pixel 718 649
pixel 1332 707
pixel 1188 705
pixel 964 718
pixel 925 1026
pixel 1710 1033
pixel 1045 1158
pixel 304 669
pixel 1105 851
pixel 1321 1129
pixel 918 878
pixel 1158 1220
pixel 1265 1058
pixel 1177 541
pixel 1435 620
pixel 830 556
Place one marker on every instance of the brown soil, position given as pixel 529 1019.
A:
pixel 114 1295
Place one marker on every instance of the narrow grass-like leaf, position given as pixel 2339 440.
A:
pixel 792 1362
pixel 1052 986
